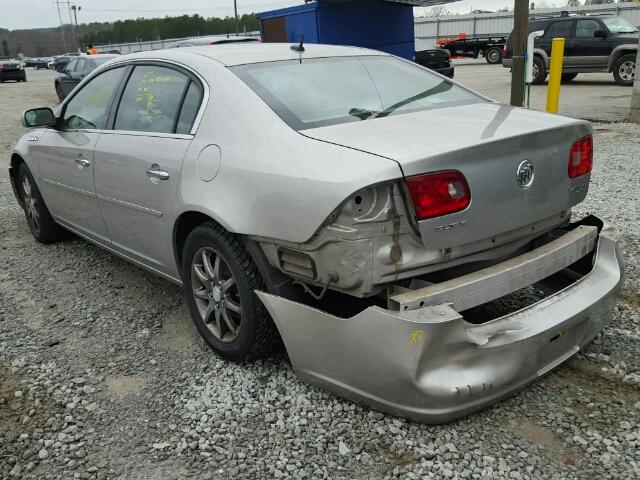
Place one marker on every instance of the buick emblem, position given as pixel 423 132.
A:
pixel 525 174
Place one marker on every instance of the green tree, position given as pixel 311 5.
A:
pixel 145 29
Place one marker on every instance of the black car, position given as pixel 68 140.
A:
pixel 76 70
pixel 12 70
pixel 39 63
pixel 438 60
pixel 59 63
pixel 593 43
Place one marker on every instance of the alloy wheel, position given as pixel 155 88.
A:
pixel 535 72
pixel 30 203
pixel 216 294
pixel 627 70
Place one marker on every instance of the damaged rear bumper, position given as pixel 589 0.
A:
pixel 429 364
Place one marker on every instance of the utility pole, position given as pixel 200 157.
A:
pixel 75 17
pixel 235 8
pixel 73 30
pixel 64 42
pixel 520 31
pixel 634 114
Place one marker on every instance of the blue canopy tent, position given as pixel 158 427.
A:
pixel 385 25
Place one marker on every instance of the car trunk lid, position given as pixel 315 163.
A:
pixel 487 143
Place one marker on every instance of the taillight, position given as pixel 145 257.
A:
pixel 437 194
pixel 581 157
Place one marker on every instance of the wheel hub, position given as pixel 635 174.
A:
pixel 216 294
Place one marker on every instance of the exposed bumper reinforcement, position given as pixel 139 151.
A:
pixel 432 366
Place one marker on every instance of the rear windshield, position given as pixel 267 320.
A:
pixel 328 91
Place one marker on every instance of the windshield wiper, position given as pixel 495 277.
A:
pixel 361 113
pixel 440 88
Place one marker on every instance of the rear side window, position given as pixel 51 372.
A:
pixel 586 28
pixel 89 108
pixel 80 65
pixel 189 109
pixel 559 29
pixel 151 100
pixel 71 67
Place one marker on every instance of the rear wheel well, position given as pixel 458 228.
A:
pixel 621 54
pixel 276 282
pixel 183 226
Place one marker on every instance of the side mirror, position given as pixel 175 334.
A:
pixel 600 34
pixel 39 117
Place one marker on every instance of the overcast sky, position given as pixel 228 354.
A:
pixel 43 13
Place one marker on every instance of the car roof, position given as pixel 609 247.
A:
pixel 232 54
pixel 102 55
pixel 215 39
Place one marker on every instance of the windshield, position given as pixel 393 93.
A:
pixel 327 91
pixel 619 25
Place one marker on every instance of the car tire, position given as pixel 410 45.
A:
pixel 43 227
pixel 493 55
pixel 568 77
pixel 539 71
pixel 624 70
pixel 219 282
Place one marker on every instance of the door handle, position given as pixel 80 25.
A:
pixel 82 162
pixel 155 172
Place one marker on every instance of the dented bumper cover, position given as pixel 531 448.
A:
pixel 432 366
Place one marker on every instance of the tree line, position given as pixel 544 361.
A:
pixel 145 29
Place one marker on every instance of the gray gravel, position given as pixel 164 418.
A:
pixel 103 376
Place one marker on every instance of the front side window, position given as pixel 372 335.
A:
pixel 328 91
pixel 89 108
pixel 559 30
pixel 586 28
pixel 80 65
pixel 151 100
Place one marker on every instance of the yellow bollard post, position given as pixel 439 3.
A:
pixel 555 75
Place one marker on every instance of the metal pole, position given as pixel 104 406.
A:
pixel 64 42
pixel 520 29
pixel 75 17
pixel 235 8
pixel 634 114
pixel 73 28
pixel 555 75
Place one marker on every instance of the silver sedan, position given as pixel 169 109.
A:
pixel 368 213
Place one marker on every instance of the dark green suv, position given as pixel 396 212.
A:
pixel 593 43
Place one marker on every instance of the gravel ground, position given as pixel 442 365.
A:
pixel 102 374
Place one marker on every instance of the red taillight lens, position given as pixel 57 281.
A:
pixel 437 194
pixel 581 157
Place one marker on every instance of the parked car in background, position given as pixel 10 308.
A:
pixel 12 70
pixel 437 59
pixel 40 63
pixel 216 40
pixel 76 70
pixel 593 43
pixel 325 197
pixel 58 63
